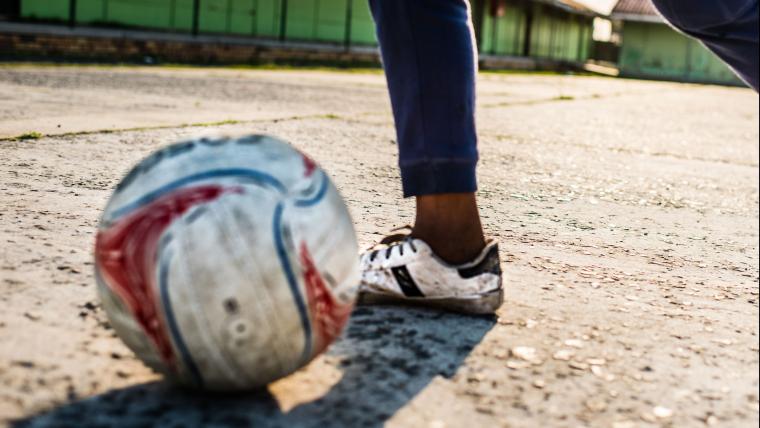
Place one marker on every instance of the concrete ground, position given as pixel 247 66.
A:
pixel 627 213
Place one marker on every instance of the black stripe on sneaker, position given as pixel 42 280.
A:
pixel 489 264
pixel 406 282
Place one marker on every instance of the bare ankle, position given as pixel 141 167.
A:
pixel 450 224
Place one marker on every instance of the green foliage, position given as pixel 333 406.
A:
pixel 31 135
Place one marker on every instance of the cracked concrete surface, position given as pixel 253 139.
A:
pixel 627 214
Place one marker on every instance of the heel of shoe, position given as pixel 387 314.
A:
pixel 485 304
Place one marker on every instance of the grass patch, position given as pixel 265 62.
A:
pixel 565 98
pixel 330 67
pixel 26 136
pixel 37 135
pixel 336 67
pixel 219 123
pixel 61 64
pixel 536 72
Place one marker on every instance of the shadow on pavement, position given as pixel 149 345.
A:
pixel 387 356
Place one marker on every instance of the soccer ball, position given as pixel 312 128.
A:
pixel 227 263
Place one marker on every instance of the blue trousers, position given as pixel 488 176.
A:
pixel 430 60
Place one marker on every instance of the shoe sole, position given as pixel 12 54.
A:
pixel 484 304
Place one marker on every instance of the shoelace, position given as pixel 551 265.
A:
pixel 394 240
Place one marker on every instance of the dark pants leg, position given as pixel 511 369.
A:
pixel 429 57
pixel 727 27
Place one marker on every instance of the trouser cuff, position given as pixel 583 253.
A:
pixel 442 176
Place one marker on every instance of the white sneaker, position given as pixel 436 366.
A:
pixel 402 269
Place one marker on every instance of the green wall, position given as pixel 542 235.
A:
pixel 503 35
pixel 555 34
pixel 656 51
pixel 307 20
pixel 45 9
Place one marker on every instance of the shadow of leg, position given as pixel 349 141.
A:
pixel 386 356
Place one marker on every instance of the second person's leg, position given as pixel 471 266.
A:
pixel 729 28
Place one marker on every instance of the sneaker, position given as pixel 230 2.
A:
pixel 404 270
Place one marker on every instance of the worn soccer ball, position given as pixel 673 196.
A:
pixel 227 263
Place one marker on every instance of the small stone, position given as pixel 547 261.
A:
pixel 526 353
pixel 32 316
pixel 563 355
pixel 597 371
pixel 505 321
pixel 596 361
pixel 539 383
pixel 501 353
pixel 648 417
pixel 517 364
pixel 662 412
pixel 596 404
pixel 577 365
pixel 574 343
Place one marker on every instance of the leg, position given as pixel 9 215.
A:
pixel 430 63
pixel 450 224
pixel 729 28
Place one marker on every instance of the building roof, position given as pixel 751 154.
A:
pixel 603 7
pixel 571 6
pixel 577 6
pixel 636 10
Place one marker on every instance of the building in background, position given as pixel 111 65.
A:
pixel 547 29
pixel 558 30
pixel 328 21
pixel 526 34
pixel 652 49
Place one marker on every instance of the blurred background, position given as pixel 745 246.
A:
pixel 625 37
